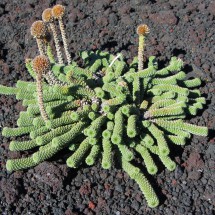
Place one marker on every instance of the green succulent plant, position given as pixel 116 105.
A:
pixel 106 105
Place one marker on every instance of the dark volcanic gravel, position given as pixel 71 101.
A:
pixel 182 28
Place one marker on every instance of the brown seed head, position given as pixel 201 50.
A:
pixel 47 15
pixel 38 29
pixel 41 64
pixel 142 29
pixel 58 11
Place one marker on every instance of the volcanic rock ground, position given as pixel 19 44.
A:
pixel 181 28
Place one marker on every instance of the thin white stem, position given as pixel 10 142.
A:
pixel 64 41
pixel 56 41
pixel 111 64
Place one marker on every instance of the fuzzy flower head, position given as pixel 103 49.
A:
pixel 41 64
pixel 38 29
pixel 58 11
pixel 47 15
pixel 142 29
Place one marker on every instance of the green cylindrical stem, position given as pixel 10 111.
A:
pixel 95 126
pixel 53 96
pixel 63 140
pixel 20 163
pixel 38 132
pixel 96 65
pixel 115 101
pixel 106 134
pixel 126 153
pixel 38 122
pixel 99 92
pixel 77 115
pixel 92 115
pixel 169 80
pixel 106 156
pixel 46 138
pixel 194 129
pixel 23 122
pixel 64 120
pixel 74 160
pixel 108 77
pixel 168 163
pixel 128 110
pixel 29 68
pixel 178 132
pixel 145 187
pixel 158 134
pixel 22 145
pixel 162 103
pixel 110 125
pixel 14 132
pixel 91 158
pixel 146 140
pixel 136 90
pixel 116 137
pixel 95 106
pixel 8 90
pixel 34 109
pixel 93 141
pixel 86 92
pixel 150 164
pixel 144 104
pixel 146 73
pixel 178 140
pixel 27 102
pixel 120 67
pixel 131 126
pixel 166 95
pixel 174 88
pixel 50 54
pixel 21 95
pixel 164 112
pixel 192 83
pixel 108 108
pixel 65 106
pixel 44 154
